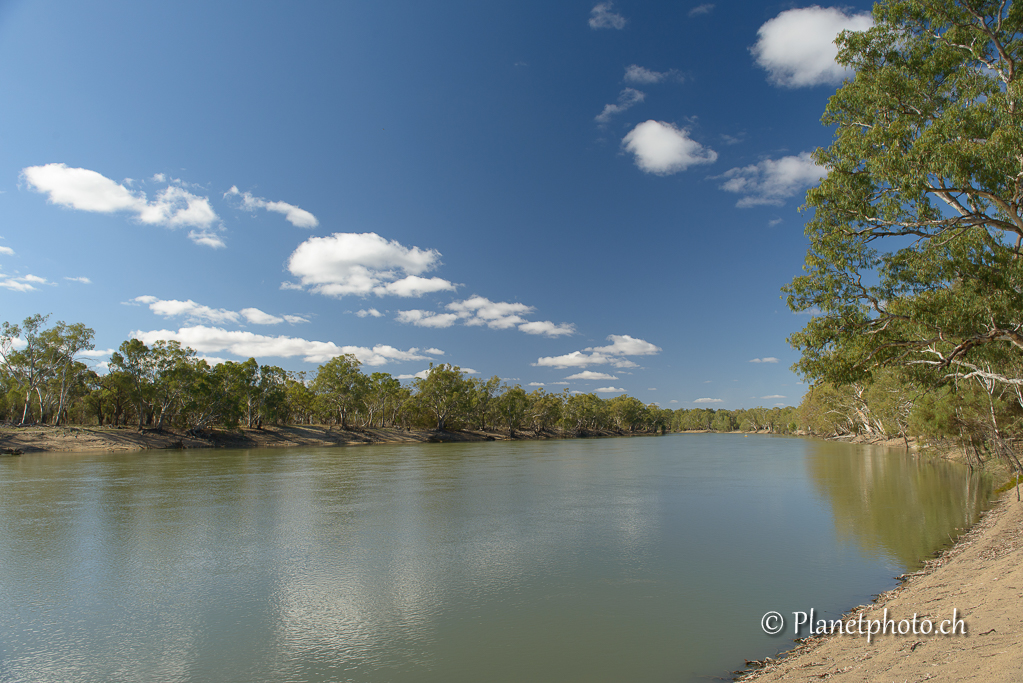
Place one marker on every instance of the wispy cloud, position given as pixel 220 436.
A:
pixel 85 190
pixel 6 251
pixel 604 16
pixel 702 9
pixel 773 396
pixel 797 48
pixel 170 308
pixel 626 100
pixel 348 263
pixel 609 390
pixel 369 312
pixel 82 280
pixel 643 76
pixel 771 181
pixel 25 283
pixel 663 149
pixel 769 359
pixel 709 400
pixel 300 218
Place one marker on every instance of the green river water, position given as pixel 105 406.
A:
pixel 632 559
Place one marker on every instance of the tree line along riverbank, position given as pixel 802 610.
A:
pixel 45 380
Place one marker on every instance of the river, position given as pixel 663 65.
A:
pixel 632 559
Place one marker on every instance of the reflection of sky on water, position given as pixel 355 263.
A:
pixel 574 560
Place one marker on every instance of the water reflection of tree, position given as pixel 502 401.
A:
pixel 896 504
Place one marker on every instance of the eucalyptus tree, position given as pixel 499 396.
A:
pixel 444 393
pixel 136 361
pixel 62 345
pixel 340 386
pixel 916 232
pixel 512 406
pixel 382 393
pixel 26 365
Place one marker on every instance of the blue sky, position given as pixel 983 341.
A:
pixel 602 196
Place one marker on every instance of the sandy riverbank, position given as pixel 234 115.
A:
pixel 981 578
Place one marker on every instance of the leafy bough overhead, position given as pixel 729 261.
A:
pixel 916 232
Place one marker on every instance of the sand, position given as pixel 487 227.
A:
pixel 981 578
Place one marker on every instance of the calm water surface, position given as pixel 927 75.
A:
pixel 643 559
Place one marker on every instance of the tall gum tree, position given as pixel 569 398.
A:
pixel 915 233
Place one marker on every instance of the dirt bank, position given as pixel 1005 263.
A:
pixel 38 439
pixel 980 578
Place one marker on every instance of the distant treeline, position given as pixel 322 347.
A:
pixel 166 385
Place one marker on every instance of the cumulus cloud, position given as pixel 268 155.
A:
pixel 613 354
pixel 348 263
pixel 643 76
pixel 590 375
pixel 295 319
pixel 86 190
pixel 300 218
pixel 773 396
pixel 7 251
pixel 536 384
pixel 701 9
pixel 797 48
pixel 609 390
pixel 663 149
pixel 772 181
pixel 369 312
pixel 258 317
pixel 83 280
pixel 709 400
pixel 769 359
pixel 626 99
pixel 249 344
pixel 96 353
pixel 604 16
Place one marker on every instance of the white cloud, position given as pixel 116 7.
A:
pixel 85 190
pixel 7 251
pixel 433 352
pixel 547 328
pixel 347 263
pixel 797 48
pixel 479 311
pixel 536 384
pixel 772 181
pixel 672 401
pixel 422 374
pixel 97 353
pixel 609 390
pixel 421 318
pixel 369 312
pixel 709 400
pixel 300 218
pixel 590 375
pixel 170 308
pixel 248 344
pixel 663 149
pixel 207 239
pixel 773 396
pixel 701 9
pixel 258 317
pixel 635 73
pixel 626 99
pixel 83 280
pixel 602 16
pixel 469 371
pixel 769 359
pixel 24 283
pixel 498 315
pixel 621 345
